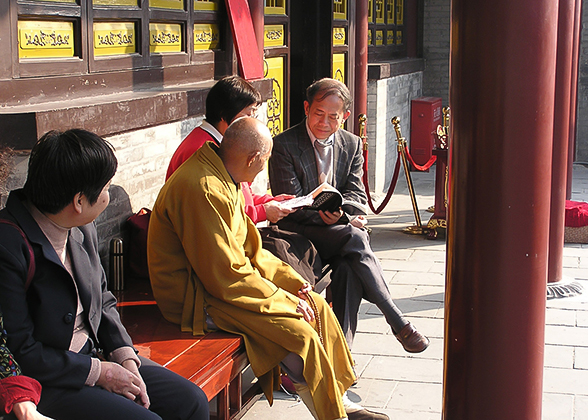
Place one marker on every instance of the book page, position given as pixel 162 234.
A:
pixel 305 200
pixel 309 199
pixel 297 202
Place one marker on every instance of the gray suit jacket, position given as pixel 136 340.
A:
pixel 40 320
pixel 292 168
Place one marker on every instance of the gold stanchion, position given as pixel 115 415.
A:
pixel 362 131
pixel 418 228
pixel 445 145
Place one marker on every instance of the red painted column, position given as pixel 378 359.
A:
pixel 256 8
pixel 574 95
pixel 502 92
pixel 561 132
pixel 361 60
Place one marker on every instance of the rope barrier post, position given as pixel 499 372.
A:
pixel 366 185
pixel 362 131
pixel 418 228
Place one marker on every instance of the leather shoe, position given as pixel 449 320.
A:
pixel 412 340
pixel 364 414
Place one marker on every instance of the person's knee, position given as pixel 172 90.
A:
pixel 359 237
pixel 194 404
pixel 200 409
pixel 173 396
pixel 352 239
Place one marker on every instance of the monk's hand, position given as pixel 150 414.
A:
pixel 305 309
pixel 330 218
pixel 117 379
pixel 304 290
pixel 142 398
pixel 274 211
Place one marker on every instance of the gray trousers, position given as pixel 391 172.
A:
pixel 357 273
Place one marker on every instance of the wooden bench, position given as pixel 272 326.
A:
pixel 214 362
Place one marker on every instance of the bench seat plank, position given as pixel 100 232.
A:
pixel 211 361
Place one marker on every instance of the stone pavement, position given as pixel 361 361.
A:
pixel 409 387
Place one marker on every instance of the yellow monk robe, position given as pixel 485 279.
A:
pixel 204 252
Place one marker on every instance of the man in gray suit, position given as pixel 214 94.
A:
pixel 315 151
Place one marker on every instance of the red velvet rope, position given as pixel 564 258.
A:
pixel 390 188
pixel 426 166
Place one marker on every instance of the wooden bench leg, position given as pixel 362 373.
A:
pixel 235 394
pixel 223 404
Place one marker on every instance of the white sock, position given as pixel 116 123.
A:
pixel 304 394
pixel 350 406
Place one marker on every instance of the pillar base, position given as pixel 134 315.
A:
pixel 563 289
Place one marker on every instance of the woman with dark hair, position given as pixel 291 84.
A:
pixel 62 322
pixel 230 98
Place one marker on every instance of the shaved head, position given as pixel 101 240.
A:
pixel 245 148
pixel 245 137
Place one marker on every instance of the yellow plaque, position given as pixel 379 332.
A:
pixel 389 37
pixel 379 37
pixel 205 5
pixel 114 38
pixel 275 7
pixel 399 37
pixel 273 35
pixel 167 4
pixel 338 36
pixel 340 9
pixel 206 36
pixel 274 70
pixel 164 37
pixel 114 2
pixel 370 40
pixel 339 67
pixel 370 11
pixel 38 39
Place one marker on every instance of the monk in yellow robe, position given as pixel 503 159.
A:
pixel 206 263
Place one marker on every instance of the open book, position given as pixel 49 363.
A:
pixel 325 197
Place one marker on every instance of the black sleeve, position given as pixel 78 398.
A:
pixel 48 364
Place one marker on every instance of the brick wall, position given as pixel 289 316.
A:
pixel 436 39
pixel 388 98
pixel 143 156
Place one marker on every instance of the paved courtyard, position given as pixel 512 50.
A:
pixel 409 387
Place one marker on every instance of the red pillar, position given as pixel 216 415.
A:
pixel 502 92
pixel 574 96
pixel 561 133
pixel 256 7
pixel 361 60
